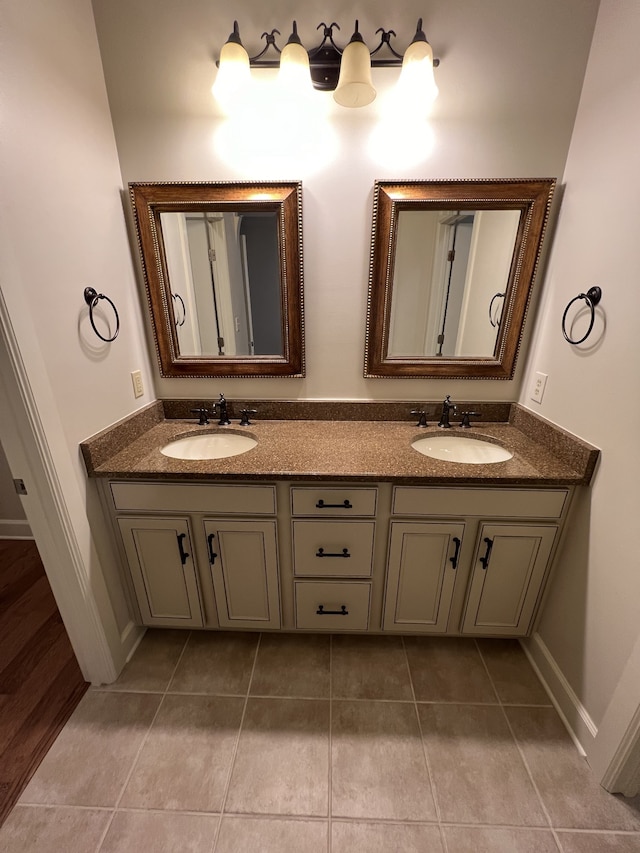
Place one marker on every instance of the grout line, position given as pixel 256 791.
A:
pixel 424 751
pixel 237 744
pixel 521 753
pixel 142 744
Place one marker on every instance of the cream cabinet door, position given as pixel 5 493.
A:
pixel 244 568
pixel 508 571
pixel 423 558
pixel 160 557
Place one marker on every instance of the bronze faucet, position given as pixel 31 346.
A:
pixel 447 405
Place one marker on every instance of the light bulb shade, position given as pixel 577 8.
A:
pixel 417 83
pixel 355 88
pixel 294 75
pixel 233 74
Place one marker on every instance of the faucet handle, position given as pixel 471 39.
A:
pixel 422 417
pixel 245 416
pixel 203 415
pixel 464 423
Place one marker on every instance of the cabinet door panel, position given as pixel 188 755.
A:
pixel 245 573
pixel 509 567
pixel 166 590
pixel 421 575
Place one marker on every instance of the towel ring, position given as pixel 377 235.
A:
pixel 92 297
pixel 591 297
pixel 495 323
pixel 177 298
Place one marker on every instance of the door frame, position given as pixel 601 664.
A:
pixel 78 588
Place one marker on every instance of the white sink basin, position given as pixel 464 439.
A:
pixel 459 448
pixel 210 445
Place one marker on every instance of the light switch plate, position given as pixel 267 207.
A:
pixel 136 379
pixel 538 386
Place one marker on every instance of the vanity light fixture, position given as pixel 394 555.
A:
pixel 344 71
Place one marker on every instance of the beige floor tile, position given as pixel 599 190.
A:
pixel 512 674
pixel 471 839
pixel 160 832
pixel 478 774
pixel 292 665
pixel 153 662
pixel 40 829
pixel 89 762
pixel 186 759
pixel 448 670
pixel 282 763
pixel 271 835
pixel 378 763
pixel 350 837
pixel 567 786
pixel 596 842
pixel 369 668
pixel 216 662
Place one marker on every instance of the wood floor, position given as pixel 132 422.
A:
pixel 40 680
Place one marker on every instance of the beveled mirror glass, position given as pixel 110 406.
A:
pixel 222 264
pixel 451 272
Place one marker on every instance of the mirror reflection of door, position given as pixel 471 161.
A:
pixel 449 264
pixel 224 269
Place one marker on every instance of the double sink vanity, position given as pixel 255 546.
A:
pixel 337 517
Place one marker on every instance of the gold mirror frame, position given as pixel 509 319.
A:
pixel 150 200
pixel 531 196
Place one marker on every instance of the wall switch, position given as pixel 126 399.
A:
pixel 537 389
pixel 138 387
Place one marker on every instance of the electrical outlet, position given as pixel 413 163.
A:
pixel 537 389
pixel 138 387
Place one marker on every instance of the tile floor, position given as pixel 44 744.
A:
pixel 233 743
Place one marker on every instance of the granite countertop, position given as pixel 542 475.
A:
pixel 342 451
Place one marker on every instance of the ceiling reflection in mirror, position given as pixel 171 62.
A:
pixel 222 265
pixel 451 272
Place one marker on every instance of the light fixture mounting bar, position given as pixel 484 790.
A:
pixel 324 60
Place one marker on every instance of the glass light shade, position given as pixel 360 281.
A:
pixel 417 84
pixel 294 75
pixel 355 88
pixel 233 74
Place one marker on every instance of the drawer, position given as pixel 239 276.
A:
pixel 506 503
pixel 329 502
pixel 333 548
pixel 195 497
pixel 342 605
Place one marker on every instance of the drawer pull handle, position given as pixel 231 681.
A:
pixel 183 554
pixel 212 555
pixel 454 559
pixel 322 612
pixel 345 505
pixel 321 553
pixel 485 560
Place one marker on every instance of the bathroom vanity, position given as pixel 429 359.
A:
pixel 338 526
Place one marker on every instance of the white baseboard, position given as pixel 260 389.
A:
pixel 573 714
pixel 15 529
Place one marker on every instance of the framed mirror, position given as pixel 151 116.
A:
pixel 450 277
pixel 222 264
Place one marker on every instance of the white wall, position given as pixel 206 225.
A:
pixel 509 83
pixel 62 229
pixel 592 617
